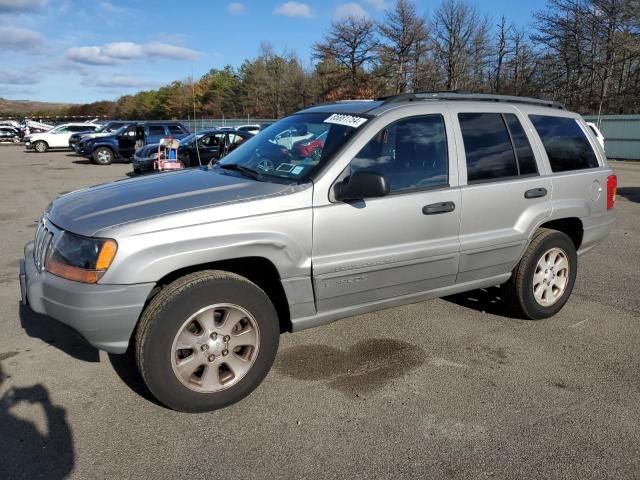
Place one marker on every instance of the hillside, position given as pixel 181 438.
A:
pixel 24 107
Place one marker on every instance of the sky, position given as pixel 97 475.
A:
pixel 79 51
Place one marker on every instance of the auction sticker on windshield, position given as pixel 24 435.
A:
pixel 346 120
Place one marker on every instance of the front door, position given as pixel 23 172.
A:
pixel 127 141
pixel 398 245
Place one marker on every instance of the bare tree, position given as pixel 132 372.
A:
pixel 502 50
pixel 350 43
pixel 403 42
pixel 459 36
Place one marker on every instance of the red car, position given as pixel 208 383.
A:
pixel 312 148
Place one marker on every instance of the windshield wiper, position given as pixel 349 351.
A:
pixel 248 172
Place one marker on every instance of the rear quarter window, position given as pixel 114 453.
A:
pixel 565 143
pixel 156 130
pixel 175 130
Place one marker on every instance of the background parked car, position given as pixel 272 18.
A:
pixel 123 143
pixel 252 129
pixel 211 143
pixel 596 131
pixel 10 134
pixel 311 148
pixel 57 137
pixel 103 131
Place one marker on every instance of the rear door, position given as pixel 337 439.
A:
pixel 155 133
pixel 505 191
pixel 400 245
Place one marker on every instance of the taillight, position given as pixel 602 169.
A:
pixel 612 187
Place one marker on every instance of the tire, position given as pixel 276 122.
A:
pixel 185 313
pixel 103 156
pixel 40 146
pixel 16 140
pixel 540 285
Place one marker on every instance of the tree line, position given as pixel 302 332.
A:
pixel 583 53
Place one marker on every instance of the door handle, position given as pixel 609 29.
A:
pixel 535 193
pixel 437 208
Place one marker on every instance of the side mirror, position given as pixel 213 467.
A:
pixel 362 185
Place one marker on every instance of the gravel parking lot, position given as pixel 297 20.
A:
pixel 449 388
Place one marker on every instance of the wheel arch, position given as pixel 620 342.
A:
pixel 258 270
pixel 570 226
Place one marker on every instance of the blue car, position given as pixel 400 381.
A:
pixel 125 141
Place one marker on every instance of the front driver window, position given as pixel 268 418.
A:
pixel 411 154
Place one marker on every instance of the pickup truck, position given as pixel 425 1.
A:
pixel 416 196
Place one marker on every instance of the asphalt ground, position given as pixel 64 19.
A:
pixel 450 388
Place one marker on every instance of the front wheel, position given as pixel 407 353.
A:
pixel 206 341
pixel 40 146
pixel 103 156
pixel 543 280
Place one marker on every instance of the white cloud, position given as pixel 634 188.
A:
pixel 236 8
pixel 377 4
pixel 20 40
pixel 350 10
pixel 21 5
pixel 119 82
pixel 293 9
pixel 18 77
pixel 121 52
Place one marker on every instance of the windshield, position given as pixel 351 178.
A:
pixel 294 147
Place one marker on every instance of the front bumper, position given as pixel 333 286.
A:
pixel 142 164
pixel 28 145
pixel 105 315
pixel 83 150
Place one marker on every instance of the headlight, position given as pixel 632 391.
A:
pixel 81 259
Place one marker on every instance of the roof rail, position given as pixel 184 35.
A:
pixel 475 97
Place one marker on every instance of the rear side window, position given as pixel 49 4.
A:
pixel 566 144
pixel 487 147
pixel 175 130
pixel 156 130
pixel 524 154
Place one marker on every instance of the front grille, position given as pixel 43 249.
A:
pixel 42 243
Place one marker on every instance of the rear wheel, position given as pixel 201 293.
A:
pixel 206 341
pixel 40 146
pixel 543 280
pixel 103 156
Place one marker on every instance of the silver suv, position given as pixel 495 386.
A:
pixel 411 197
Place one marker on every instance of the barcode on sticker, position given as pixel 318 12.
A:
pixel 346 120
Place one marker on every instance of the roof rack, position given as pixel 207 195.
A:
pixel 467 96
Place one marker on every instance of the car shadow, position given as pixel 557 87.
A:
pixel 630 193
pixel 26 452
pixel 69 341
pixel 57 335
pixel 82 162
pixel 486 300
pixel 125 367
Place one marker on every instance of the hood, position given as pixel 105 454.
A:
pixel 86 136
pixel 93 136
pixel 90 210
pixel 147 150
